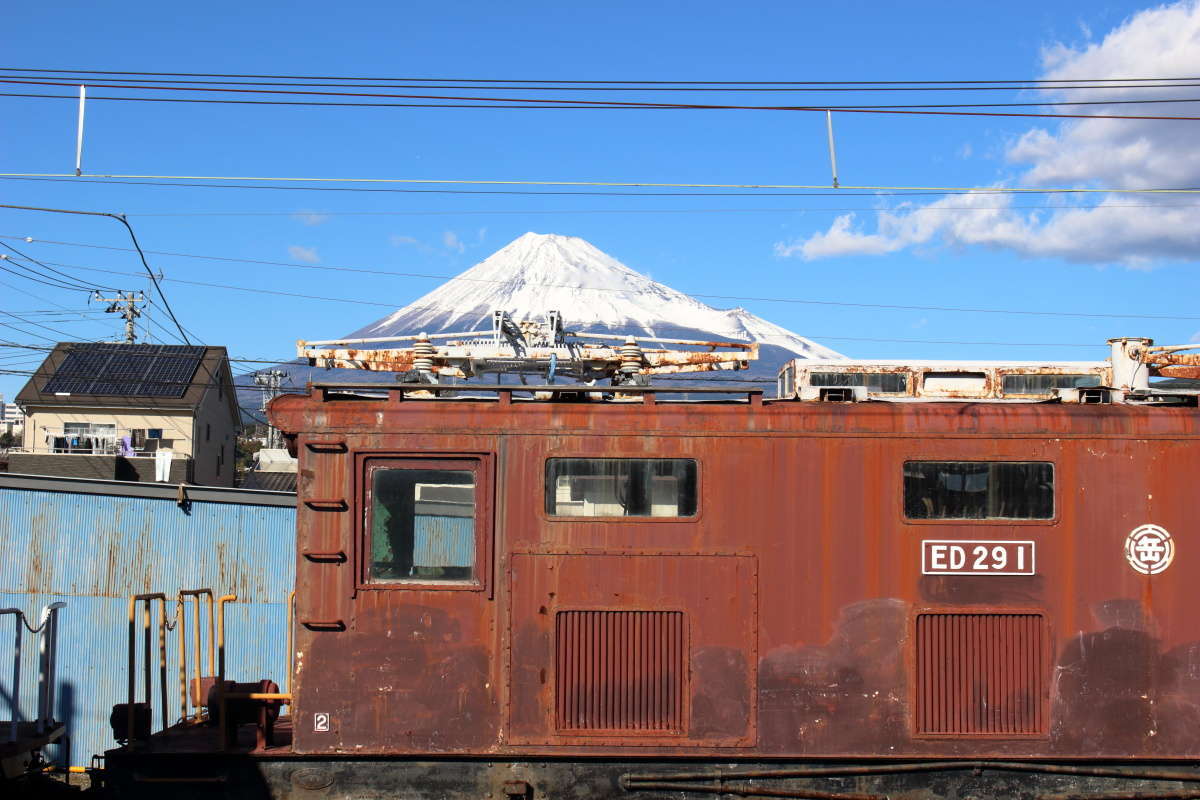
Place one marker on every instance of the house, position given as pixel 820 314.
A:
pixel 12 420
pixel 134 412
pixel 274 470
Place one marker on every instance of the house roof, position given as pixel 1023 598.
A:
pixel 142 376
pixel 270 481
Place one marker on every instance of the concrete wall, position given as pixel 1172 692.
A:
pixel 108 468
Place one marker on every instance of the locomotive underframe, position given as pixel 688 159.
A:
pixel 290 777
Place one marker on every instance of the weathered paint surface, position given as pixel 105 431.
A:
pixel 799 577
pixel 94 551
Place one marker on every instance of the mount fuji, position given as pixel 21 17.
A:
pixel 594 293
pixel 537 273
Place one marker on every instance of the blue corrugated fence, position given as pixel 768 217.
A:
pixel 95 550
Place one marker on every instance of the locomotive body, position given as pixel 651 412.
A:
pixel 744 579
pixel 586 597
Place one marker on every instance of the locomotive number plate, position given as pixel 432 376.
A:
pixel 958 557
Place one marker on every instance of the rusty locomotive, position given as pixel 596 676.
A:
pixel 931 581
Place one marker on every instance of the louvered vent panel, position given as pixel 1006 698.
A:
pixel 620 670
pixel 980 674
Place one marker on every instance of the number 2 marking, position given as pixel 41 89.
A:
pixel 981 553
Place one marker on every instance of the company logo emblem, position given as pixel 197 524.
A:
pixel 1149 549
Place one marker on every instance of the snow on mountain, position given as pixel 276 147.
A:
pixel 594 292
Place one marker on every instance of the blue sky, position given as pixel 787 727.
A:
pixel 988 252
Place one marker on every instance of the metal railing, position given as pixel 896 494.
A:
pixel 209 651
pixel 47 632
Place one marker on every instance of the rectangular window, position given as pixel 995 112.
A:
pixel 154 433
pixel 422 521
pixel 970 383
pixel 979 490
pixel 621 487
pixel 876 382
pixel 1045 384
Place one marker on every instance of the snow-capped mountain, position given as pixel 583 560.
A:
pixel 594 292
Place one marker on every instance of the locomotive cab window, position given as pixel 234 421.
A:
pixel 423 522
pixel 621 487
pixel 979 490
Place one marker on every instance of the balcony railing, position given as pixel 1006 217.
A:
pixel 108 442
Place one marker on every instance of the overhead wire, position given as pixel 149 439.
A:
pixel 941 110
pixel 778 210
pixel 85 76
pixel 489 80
pixel 496 281
pixel 133 237
pixel 504 102
pixel 28 257
pixel 1004 190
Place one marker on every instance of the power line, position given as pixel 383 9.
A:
pixel 35 324
pixel 74 283
pixel 496 281
pixel 36 297
pixel 531 212
pixel 581 105
pixel 87 77
pixel 457 101
pixel 542 81
pixel 828 191
pixel 707 296
pixel 6 259
pixel 1004 190
pixel 133 238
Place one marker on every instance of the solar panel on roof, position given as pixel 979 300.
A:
pixel 132 370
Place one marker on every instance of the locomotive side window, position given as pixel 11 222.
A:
pixel 421 524
pixel 1045 384
pixel 878 382
pixel 978 490
pixel 621 487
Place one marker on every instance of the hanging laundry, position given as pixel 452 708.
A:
pixel 162 465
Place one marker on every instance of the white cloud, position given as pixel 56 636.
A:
pixel 399 241
pixel 839 240
pixel 311 218
pixel 308 254
pixel 452 242
pixel 1134 230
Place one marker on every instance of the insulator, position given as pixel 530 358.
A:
pixel 423 355
pixel 631 357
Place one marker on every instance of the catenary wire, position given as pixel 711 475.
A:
pixel 491 80
pixel 597 184
pixel 445 277
pixel 87 76
pixel 911 111
pixel 780 210
pixel 828 191
pixel 543 102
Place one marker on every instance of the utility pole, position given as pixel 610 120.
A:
pixel 269 381
pixel 125 304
